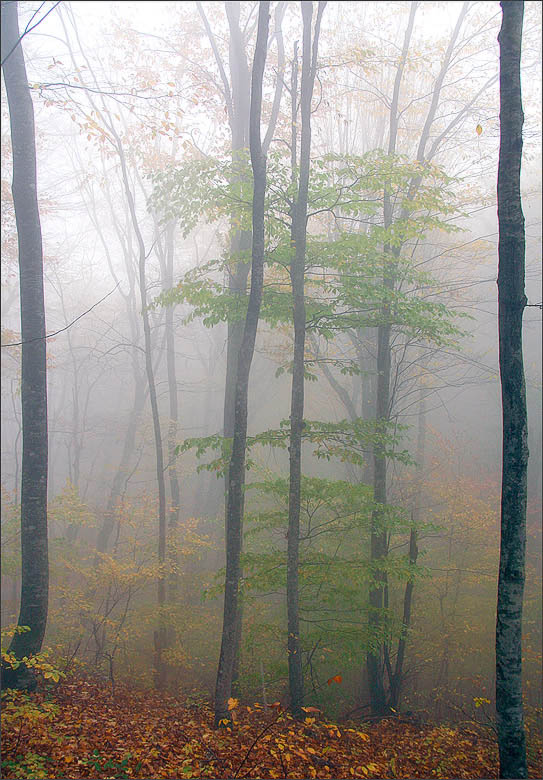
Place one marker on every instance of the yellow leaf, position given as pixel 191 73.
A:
pixel 232 703
pixel 478 129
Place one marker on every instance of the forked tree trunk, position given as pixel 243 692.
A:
pixel 379 535
pixel 379 544
pixel 397 678
pixel 236 472
pixel 297 275
pixel 237 100
pixel 34 549
pixel 511 304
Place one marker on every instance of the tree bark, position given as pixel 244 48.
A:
pixel 34 546
pixel 379 537
pixel 511 304
pixel 236 472
pixel 237 100
pixel 166 257
pixel 396 680
pixel 297 274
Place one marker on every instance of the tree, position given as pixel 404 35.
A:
pixel 236 94
pixel 379 533
pixel 34 544
pixel 109 133
pixel 511 304
pixel 236 471
pixel 297 274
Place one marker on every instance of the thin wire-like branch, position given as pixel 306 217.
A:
pixel 61 330
pixel 29 29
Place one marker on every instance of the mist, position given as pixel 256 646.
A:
pixel 146 201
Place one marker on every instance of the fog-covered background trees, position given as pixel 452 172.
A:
pixel 145 195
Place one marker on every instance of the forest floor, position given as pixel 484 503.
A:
pixel 84 729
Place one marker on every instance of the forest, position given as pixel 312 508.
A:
pixel 271 389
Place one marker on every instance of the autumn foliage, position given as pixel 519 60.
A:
pixel 80 728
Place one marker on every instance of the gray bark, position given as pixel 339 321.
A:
pixel 297 274
pixel 34 545
pixel 237 99
pixel 236 471
pixel 511 304
pixel 379 537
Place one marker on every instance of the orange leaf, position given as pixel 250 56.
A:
pixel 337 679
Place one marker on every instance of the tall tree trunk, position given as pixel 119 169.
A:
pixel 511 303
pixel 297 275
pixel 236 472
pixel 379 536
pixel 160 636
pixel 166 256
pixel 237 100
pixel 396 679
pixel 34 549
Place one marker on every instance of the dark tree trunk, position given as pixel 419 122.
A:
pixel 378 544
pixel 397 677
pixel 396 680
pixel 237 99
pixel 297 274
pixel 236 472
pixel 240 245
pixel 511 303
pixel 379 537
pixel 34 550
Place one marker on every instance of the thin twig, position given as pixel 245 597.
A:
pixel 255 741
pixel 56 332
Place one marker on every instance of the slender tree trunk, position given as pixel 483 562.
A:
pixel 173 479
pixel 236 472
pixel 34 548
pixel 379 536
pixel 297 275
pixel 397 678
pixel 240 245
pixel 160 636
pixel 511 304
pixel 237 100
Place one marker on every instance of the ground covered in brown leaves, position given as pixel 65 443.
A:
pixel 82 729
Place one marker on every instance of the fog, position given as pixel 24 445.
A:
pixel 134 143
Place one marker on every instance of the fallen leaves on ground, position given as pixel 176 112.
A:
pixel 134 733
